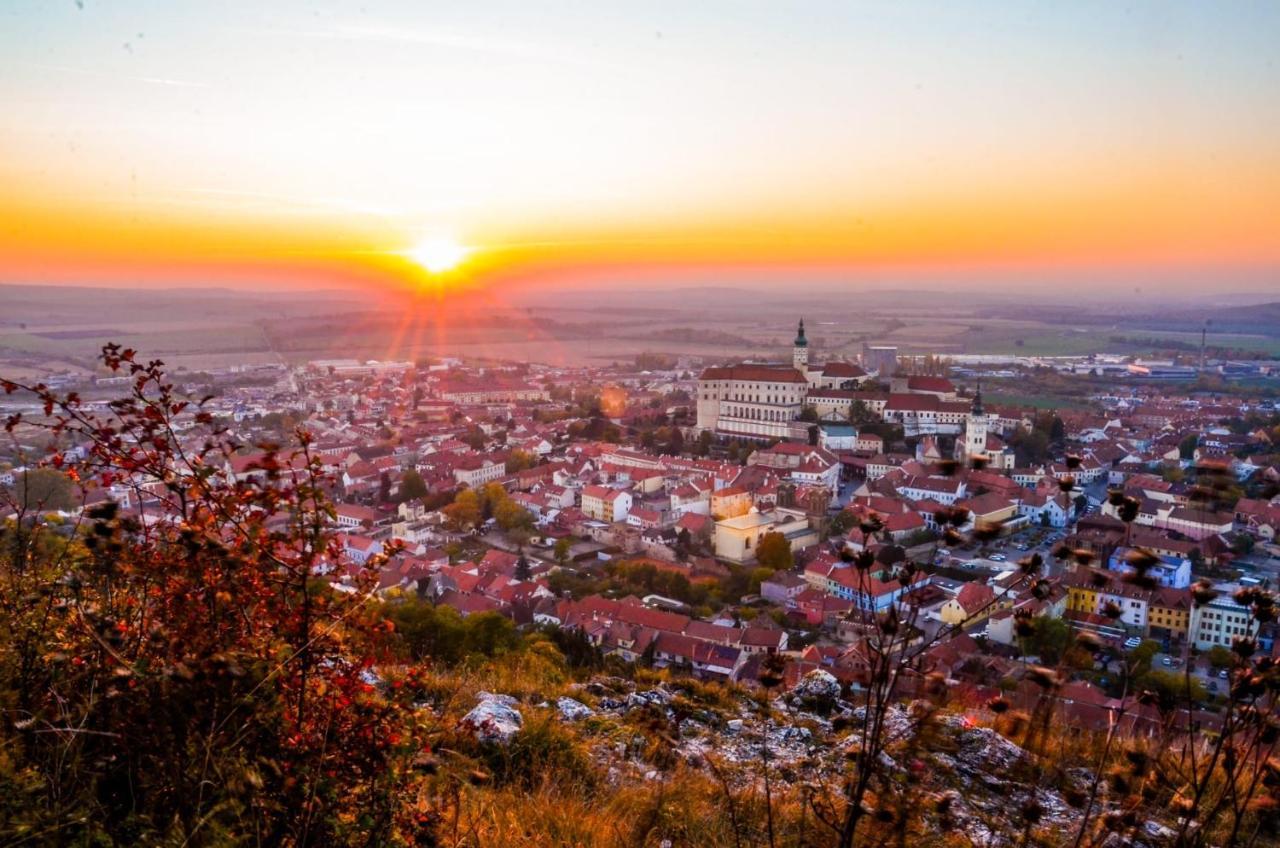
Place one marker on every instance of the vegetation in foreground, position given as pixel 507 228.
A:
pixel 198 684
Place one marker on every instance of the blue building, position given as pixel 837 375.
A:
pixel 1170 572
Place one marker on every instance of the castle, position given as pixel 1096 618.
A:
pixel 764 401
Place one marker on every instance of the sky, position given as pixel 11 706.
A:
pixel 1029 146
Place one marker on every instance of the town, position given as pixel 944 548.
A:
pixel 701 517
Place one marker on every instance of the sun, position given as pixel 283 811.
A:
pixel 439 254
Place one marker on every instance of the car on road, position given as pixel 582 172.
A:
pixel 1131 643
pixel 1223 673
pixel 998 557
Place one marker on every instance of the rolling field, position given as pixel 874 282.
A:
pixel 63 330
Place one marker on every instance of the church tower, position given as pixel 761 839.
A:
pixel 975 428
pixel 800 351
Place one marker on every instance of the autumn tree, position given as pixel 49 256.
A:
pixel 466 511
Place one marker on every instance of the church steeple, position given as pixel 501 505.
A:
pixel 800 351
pixel 977 400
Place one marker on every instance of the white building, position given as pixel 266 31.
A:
pixel 1220 621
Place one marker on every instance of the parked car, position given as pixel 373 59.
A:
pixel 1223 673
pixel 998 557
pixel 1131 643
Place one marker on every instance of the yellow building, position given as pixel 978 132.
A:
pixel 1170 613
pixel 973 603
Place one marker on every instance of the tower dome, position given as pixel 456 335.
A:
pixel 800 350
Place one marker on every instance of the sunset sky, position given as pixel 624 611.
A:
pixel 315 144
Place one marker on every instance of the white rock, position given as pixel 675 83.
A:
pixel 571 710
pixel 818 686
pixel 493 720
pixel 507 700
pixel 733 725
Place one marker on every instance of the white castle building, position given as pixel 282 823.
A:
pixel 762 401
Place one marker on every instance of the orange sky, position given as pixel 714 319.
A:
pixel 270 149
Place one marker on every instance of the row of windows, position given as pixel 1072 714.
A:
pixel 754 414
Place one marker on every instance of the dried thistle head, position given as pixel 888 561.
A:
pixel 985 531
pixel 1203 592
pixel 1045 678
pixel 1031 564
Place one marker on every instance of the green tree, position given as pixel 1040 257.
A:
pixel 1172 689
pixel 45 488
pixel 1220 657
pixel 1142 656
pixel 774 551
pixel 842 523
pixel 564 546
pixel 1187 447
pixel 1049 639
pixel 860 415
pixel 412 486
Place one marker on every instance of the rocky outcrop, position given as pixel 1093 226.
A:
pixel 495 719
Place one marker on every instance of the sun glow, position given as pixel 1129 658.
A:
pixel 438 255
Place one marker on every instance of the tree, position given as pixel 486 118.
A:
pixel 1049 639
pixel 1142 656
pixel 466 511
pixel 474 438
pixel 1172 689
pixel 519 460
pixel 774 551
pixel 45 488
pixel 564 546
pixel 684 544
pixel 842 523
pixel 808 413
pixel 522 570
pixel 1057 431
pixel 704 443
pixel 860 415
pixel 1219 657
pixel 412 486
pixel 1187 446
pixel 384 487
pixel 511 516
